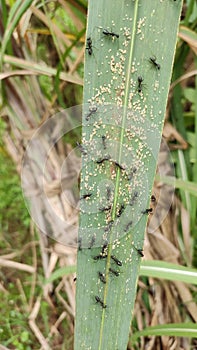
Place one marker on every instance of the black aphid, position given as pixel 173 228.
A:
pixel 101 160
pixel 92 110
pixel 108 193
pixel 98 300
pixel 100 257
pixel 79 243
pixel 74 279
pixel 153 198
pixel 81 148
pixel 120 210
pixel 89 46
pixel 118 262
pixel 84 196
pixel 104 248
pixel 109 226
pixel 153 61
pixel 105 208
pixel 132 173
pixel 140 252
pixel 112 34
pixel 121 167
pixel 104 141
pixel 133 198
pixel 140 80
pixel 128 225
pixel 116 273
pixel 92 242
pixel 102 277
pixel 147 211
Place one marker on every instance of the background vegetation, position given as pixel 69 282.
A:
pixel 42 70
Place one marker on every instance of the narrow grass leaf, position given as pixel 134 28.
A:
pixel 188 330
pixel 164 270
pixel 128 63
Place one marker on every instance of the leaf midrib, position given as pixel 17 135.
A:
pixel 125 103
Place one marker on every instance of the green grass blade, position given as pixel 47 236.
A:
pixel 62 271
pixel 15 15
pixel 188 330
pixel 113 68
pixel 41 69
pixel 188 186
pixel 172 272
pixel 4 20
pixel 157 269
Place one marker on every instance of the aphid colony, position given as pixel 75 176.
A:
pixel 104 249
pixel 106 208
pixel 107 158
pixel 152 60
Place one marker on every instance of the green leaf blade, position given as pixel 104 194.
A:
pixel 139 30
